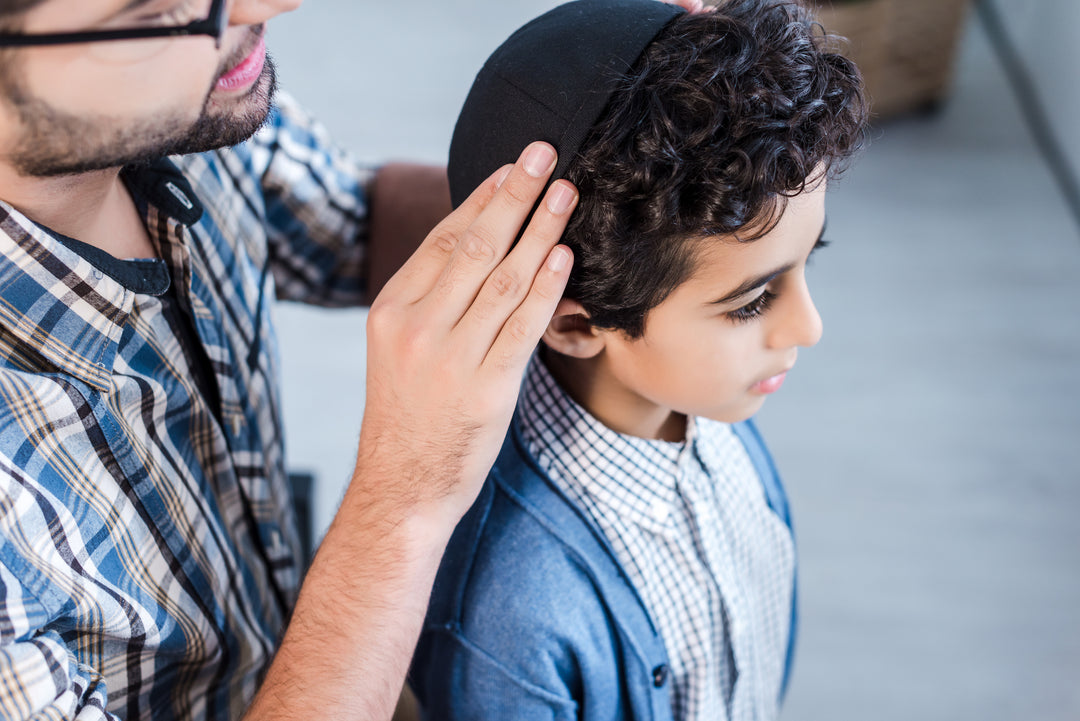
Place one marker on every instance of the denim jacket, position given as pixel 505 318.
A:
pixel 531 616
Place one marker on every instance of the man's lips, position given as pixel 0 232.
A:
pixel 247 71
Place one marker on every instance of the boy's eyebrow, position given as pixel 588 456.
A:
pixel 751 284
pixel 756 282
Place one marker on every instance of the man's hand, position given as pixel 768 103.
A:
pixel 448 340
pixel 450 334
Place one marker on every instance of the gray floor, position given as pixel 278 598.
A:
pixel 930 442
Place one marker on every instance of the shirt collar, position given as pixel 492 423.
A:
pixel 58 304
pixel 636 478
pixel 164 186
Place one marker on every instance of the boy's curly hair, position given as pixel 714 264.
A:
pixel 725 116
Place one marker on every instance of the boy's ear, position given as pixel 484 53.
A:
pixel 570 332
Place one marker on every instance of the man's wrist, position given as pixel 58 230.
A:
pixel 361 607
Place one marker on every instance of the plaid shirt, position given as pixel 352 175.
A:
pixel 148 551
pixel 690 525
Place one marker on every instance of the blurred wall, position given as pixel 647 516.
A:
pixel 1044 32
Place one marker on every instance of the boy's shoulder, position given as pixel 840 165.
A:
pixel 525 551
pixel 529 594
pixel 531 606
pixel 524 548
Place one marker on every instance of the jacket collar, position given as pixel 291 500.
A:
pixel 636 478
pixel 515 472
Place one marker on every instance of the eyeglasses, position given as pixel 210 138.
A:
pixel 213 25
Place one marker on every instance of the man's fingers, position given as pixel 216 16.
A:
pixel 518 276
pixel 483 245
pixel 463 293
pixel 693 6
pixel 688 5
pixel 519 335
pixel 418 274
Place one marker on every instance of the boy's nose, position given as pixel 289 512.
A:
pixel 799 324
pixel 254 12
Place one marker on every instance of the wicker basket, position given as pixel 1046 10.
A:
pixel 905 48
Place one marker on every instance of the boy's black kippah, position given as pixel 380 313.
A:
pixel 549 81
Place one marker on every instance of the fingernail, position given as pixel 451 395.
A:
pixel 501 178
pixel 560 198
pixel 557 258
pixel 539 159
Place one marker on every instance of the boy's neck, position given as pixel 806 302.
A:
pixel 593 387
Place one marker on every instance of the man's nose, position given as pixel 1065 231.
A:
pixel 254 12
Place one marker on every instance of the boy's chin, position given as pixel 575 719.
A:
pixel 744 412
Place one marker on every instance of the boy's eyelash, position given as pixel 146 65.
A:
pixel 821 243
pixel 753 309
pixel 758 306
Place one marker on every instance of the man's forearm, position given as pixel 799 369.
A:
pixel 351 637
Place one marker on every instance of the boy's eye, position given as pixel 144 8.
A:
pixel 753 309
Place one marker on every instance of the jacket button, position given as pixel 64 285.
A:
pixel 659 675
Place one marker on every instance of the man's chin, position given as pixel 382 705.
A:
pixel 53 148
pixel 211 133
pixel 207 134
pixel 228 122
pixel 220 127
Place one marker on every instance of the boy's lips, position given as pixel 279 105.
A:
pixel 770 384
pixel 245 72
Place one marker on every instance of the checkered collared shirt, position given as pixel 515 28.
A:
pixel 148 551
pixel 690 525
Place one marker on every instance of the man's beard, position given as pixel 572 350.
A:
pixel 54 143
